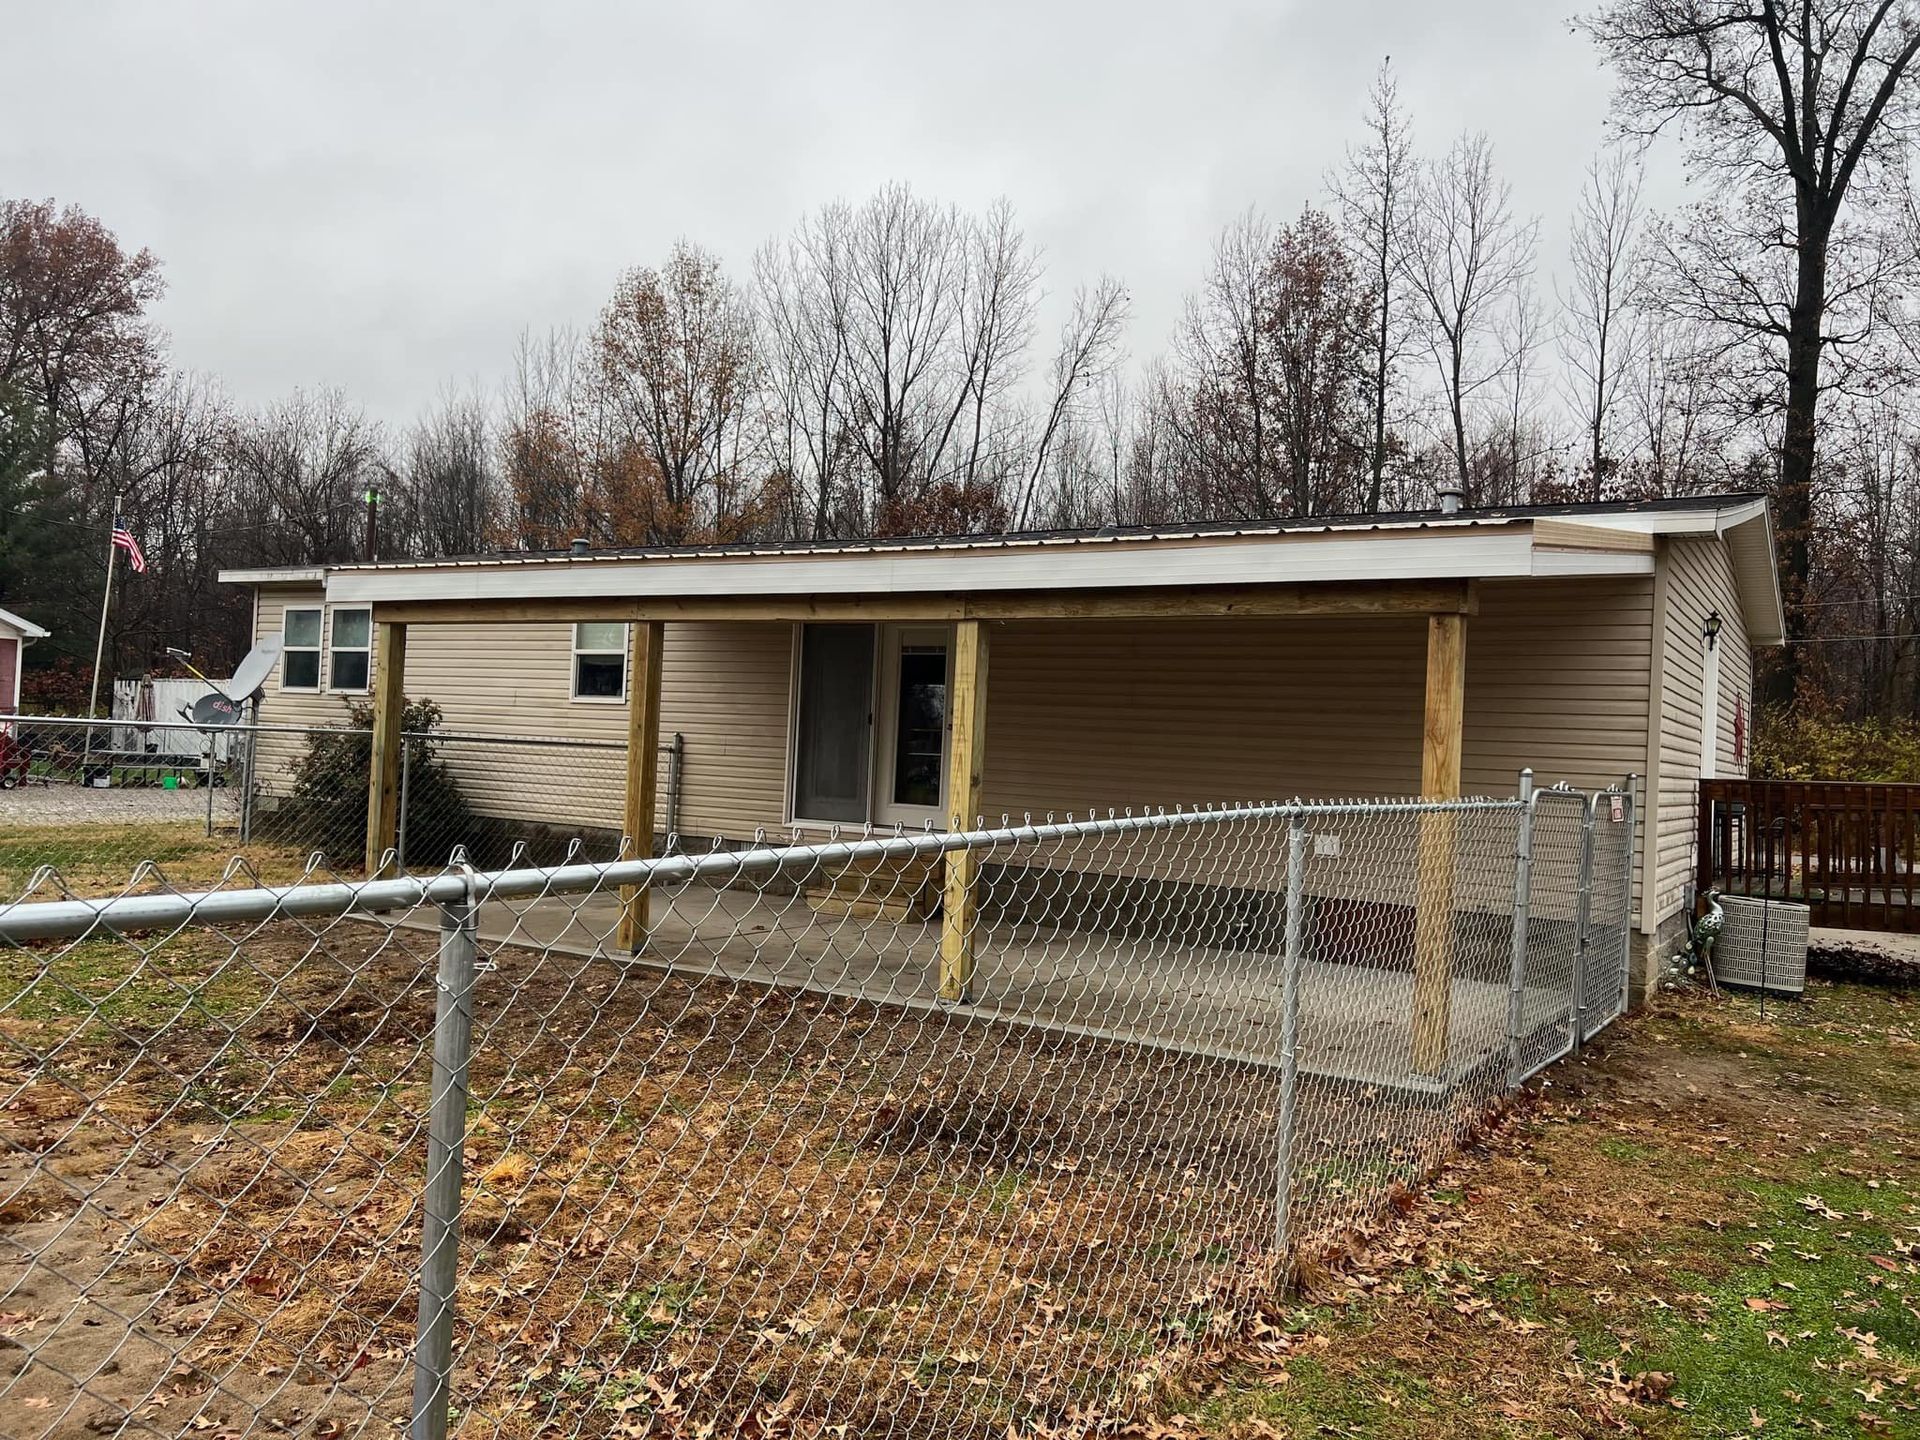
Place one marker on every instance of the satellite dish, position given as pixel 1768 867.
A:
pixel 251 673
pixel 210 711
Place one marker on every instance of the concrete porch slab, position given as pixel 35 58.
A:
pixel 1355 1021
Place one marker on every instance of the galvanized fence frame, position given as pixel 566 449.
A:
pixel 1594 996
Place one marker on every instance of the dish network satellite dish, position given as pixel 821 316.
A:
pixel 212 711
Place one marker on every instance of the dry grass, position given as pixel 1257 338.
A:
pixel 96 859
pixel 689 1204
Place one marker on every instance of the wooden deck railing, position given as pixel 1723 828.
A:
pixel 1849 851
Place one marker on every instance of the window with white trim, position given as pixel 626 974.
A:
pixel 300 648
pixel 600 660
pixel 350 651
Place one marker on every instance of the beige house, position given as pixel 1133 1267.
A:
pixel 928 680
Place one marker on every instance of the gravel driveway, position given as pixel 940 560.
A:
pixel 79 805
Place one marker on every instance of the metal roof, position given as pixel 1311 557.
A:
pixel 1182 531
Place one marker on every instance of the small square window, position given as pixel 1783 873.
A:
pixel 599 660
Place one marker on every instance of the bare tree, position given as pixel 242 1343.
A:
pixel 1466 256
pixel 676 357
pixel 1373 190
pixel 453 499
pixel 1793 111
pixel 1088 350
pixel 1221 366
pixel 1601 302
pixel 295 474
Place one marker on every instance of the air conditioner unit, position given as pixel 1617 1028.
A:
pixel 1763 945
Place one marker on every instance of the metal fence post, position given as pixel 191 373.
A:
pixel 207 774
pixel 1296 944
pixel 1626 897
pixel 249 774
pixel 400 823
pixel 1583 918
pixel 1522 903
pixel 446 1142
pixel 676 756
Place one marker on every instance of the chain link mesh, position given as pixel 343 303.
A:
pixel 93 798
pixel 349 1155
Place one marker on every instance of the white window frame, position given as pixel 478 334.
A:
pixel 882 722
pixel 574 652
pixel 334 612
pixel 886 717
pixel 318 649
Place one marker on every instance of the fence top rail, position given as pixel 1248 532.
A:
pixel 77 722
pixel 28 920
pixel 178 722
pixel 1732 785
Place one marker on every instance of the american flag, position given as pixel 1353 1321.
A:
pixel 123 540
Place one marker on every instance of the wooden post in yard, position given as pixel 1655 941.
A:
pixel 966 761
pixel 1439 780
pixel 646 642
pixel 383 774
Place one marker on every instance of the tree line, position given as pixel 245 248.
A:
pixel 882 369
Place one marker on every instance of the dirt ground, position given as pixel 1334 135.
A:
pixel 701 1208
pixel 692 1206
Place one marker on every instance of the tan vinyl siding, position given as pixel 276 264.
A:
pixel 1080 715
pixel 1699 579
pixel 1136 713
pixel 1193 712
pixel 280 753
pixel 724 689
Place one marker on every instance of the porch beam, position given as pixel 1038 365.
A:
pixel 1440 755
pixel 1367 599
pixel 966 766
pixel 383 773
pixel 645 646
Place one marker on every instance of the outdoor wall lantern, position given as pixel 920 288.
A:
pixel 1711 634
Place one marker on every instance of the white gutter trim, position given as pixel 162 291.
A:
pixel 28 630
pixel 274 575
pixel 1378 557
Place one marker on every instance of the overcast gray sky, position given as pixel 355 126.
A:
pixel 380 196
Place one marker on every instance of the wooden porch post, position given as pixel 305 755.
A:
pixel 966 760
pixel 1439 780
pixel 383 774
pixel 643 770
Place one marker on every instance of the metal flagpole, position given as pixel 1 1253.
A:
pixel 100 645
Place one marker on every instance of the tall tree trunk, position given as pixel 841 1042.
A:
pixel 1379 392
pixel 1793 498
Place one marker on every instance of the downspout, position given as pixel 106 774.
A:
pixel 1650 811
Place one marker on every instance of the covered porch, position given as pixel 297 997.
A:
pixel 1425 576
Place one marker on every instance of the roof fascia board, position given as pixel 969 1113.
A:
pixel 274 575
pixel 25 627
pixel 1451 555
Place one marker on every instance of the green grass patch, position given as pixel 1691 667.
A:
pixel 1792 1337
pixel 192 980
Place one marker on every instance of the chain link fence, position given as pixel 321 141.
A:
pixel 91 798
pixel 442 1152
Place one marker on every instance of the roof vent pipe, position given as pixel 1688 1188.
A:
pixel 1451 497
pixel 578 547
